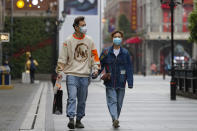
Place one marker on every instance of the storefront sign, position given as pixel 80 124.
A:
pixel 134 15
pixel 4 37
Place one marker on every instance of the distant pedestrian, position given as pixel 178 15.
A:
pixel 31 66
pixel 77 58
pixel 164 67
pixel 118 69
pixel 153 69
pixel 144 70
pixel 6 63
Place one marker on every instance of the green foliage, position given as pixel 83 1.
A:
pixel 193 26
pixel 28 32
pixel 125 26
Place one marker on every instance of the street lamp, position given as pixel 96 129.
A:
pixel 172 4
pixel 58 24
pixel 60 21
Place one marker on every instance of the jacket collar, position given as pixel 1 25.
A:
pixel 111 50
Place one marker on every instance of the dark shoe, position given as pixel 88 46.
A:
pixel 57 112
pixel 87 6
pixel 71 124
pixel 79 124
pixel 116 123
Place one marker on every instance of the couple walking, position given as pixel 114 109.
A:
pixel 79 57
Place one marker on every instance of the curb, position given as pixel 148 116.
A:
pixel 6 87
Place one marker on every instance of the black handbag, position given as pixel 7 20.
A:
pixel 57 102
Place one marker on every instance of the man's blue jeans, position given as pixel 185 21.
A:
pixel 114 101
pixel 77 87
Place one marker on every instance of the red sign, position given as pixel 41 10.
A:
pixel 166 6
pixel 134 15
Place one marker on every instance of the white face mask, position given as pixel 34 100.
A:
pixel 83 29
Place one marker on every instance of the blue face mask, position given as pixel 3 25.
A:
pixel 117 41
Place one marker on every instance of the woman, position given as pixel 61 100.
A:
pixel 118 69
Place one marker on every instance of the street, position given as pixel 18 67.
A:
pixel 42 40
pixel 147 107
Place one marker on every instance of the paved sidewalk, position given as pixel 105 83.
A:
pixel 14 104
pixel 147 107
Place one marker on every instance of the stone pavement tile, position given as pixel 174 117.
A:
pixel 147 107
pixel 49 123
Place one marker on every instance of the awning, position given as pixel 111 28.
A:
pixel 133 40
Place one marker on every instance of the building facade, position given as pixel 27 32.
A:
pixel 31 8
pixel 154 22
pixel 113 9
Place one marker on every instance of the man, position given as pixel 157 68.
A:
pixel 118 69
pixel 77 59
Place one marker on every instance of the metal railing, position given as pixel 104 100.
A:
pixel 186 79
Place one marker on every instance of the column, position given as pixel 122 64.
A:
pixel 1 28
pixel 149 57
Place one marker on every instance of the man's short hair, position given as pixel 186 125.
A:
pixel 117 31
pixel 77 20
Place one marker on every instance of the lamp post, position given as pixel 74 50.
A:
pixel 172 4
pixel 58 24
pixel 1 26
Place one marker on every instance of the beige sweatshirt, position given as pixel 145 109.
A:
pixel 78 57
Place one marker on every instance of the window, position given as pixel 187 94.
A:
pixel 166 20
pixel 186 11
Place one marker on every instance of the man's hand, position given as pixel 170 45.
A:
pixel 95 75
pixel 130 87
pixel 106 76
pixel 59 76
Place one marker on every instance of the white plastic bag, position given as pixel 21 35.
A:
pixel 25 77
pixel 57 85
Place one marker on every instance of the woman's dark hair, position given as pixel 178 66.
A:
pixel 77 20
pixel 117 31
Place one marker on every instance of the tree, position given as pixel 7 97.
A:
pixel 125 26
pixel 193 26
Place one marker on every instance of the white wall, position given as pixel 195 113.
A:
pixel 93 24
